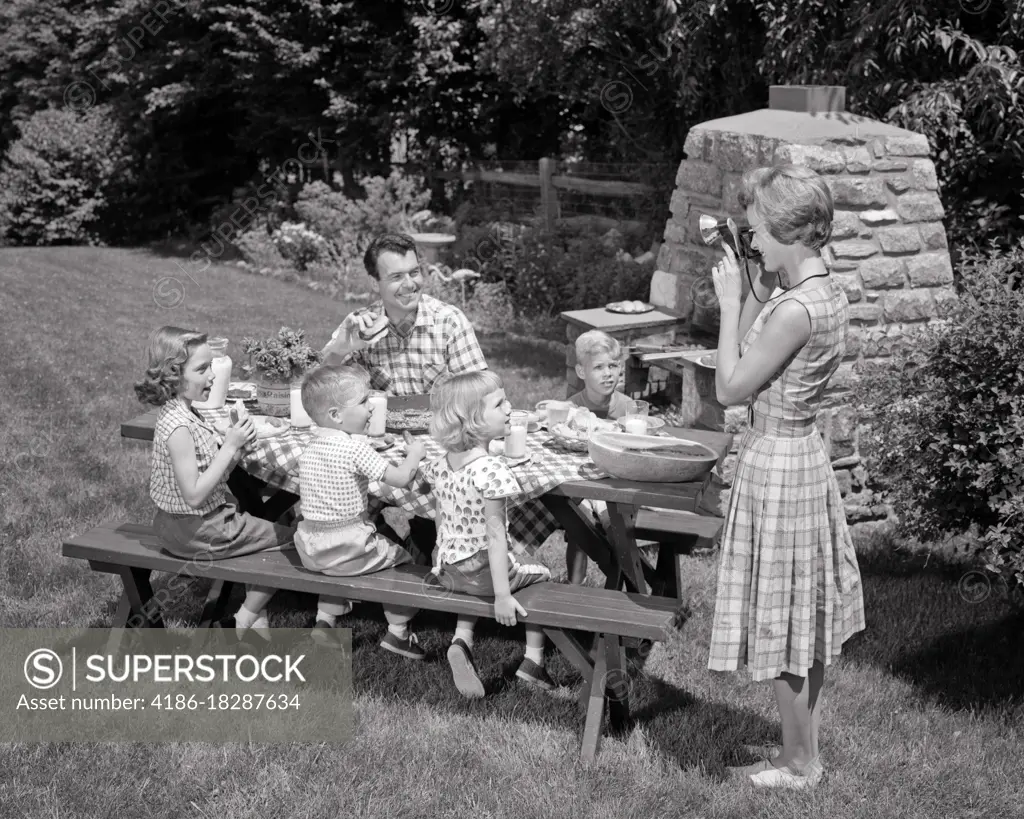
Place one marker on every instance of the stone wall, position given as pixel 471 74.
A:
pixel 888 251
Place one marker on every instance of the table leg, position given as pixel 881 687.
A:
pixel 574 651
pixel 595 708
pixel 140 596
pixel 124 610
pixel 617 683
pixel 622 520
pixel 216 602
pixel 581 531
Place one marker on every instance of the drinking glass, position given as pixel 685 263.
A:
pixel 515 441
pixel 635 419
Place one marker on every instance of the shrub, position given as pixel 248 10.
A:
pixel 300 245
pixel 259 249
pixel 59 177
pixel 947 418
pixel 390 205
pixel 546 273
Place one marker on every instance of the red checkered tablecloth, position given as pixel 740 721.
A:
pixel 276 461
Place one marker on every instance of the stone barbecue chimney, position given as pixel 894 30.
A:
pixel 888 247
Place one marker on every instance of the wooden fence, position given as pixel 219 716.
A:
pixel 550 183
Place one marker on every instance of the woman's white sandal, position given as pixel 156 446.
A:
pixel 784 778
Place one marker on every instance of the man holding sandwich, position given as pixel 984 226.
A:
pixel 406 340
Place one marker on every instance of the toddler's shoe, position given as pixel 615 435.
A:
pixel 534 675
pixel 326 636
pixel 409 647
pixel 464 672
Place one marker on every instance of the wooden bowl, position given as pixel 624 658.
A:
pixel 614 453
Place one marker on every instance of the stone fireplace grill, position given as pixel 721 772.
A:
pixel 888 251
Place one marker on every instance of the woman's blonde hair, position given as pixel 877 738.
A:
pixel 167 352
pixel 794 201
pixel 457 404
pixel 326 387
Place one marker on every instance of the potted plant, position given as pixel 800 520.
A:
pixel 276 363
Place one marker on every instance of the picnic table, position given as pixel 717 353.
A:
pixel 555 481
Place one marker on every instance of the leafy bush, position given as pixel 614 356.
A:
pixel 300 245
pixel 59 177
pixel 390 205
pixel 259 249
pixel 546 273
pixel 947 418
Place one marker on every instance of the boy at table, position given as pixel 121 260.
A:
pixel 599 364
pixel 335 535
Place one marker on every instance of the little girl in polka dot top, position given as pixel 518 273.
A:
pixel 470 487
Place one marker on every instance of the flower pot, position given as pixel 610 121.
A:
pixel 274 398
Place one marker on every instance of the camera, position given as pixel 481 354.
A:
pixel 713 230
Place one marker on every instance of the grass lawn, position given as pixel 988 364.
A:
pixel 921 718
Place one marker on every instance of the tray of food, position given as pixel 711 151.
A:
pixel 629 307
pixel 408 420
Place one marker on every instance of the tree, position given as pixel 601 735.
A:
pixel 57 178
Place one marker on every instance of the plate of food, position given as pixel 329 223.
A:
pixel 266 426
pixel 244 390
pixel 408 420
pixel 709 359
pixel 629 307
pixel 653 424
pixel 380 443
pixel 575 434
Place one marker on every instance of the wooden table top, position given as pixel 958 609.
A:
pixel 598 318
pixel 681 496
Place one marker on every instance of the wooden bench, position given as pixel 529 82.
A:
pixel 676 533
pixel 566 613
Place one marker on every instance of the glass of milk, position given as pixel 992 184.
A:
pixel 378 405
pixel 220 365
pixel 515 441
pixel 299 417
pixel 635 421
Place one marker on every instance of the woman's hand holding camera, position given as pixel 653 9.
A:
pixel 728 285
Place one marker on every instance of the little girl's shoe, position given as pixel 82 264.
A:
pixel 408 648
pixel 467 680
pixel 327 636
pixel 534 675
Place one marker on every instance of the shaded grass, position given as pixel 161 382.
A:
pixel 921 716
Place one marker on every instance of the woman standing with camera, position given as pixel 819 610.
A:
pixel 789 587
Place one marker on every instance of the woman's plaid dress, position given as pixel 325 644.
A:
pixel 789 588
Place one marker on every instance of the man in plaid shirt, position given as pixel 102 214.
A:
pixel 406 340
